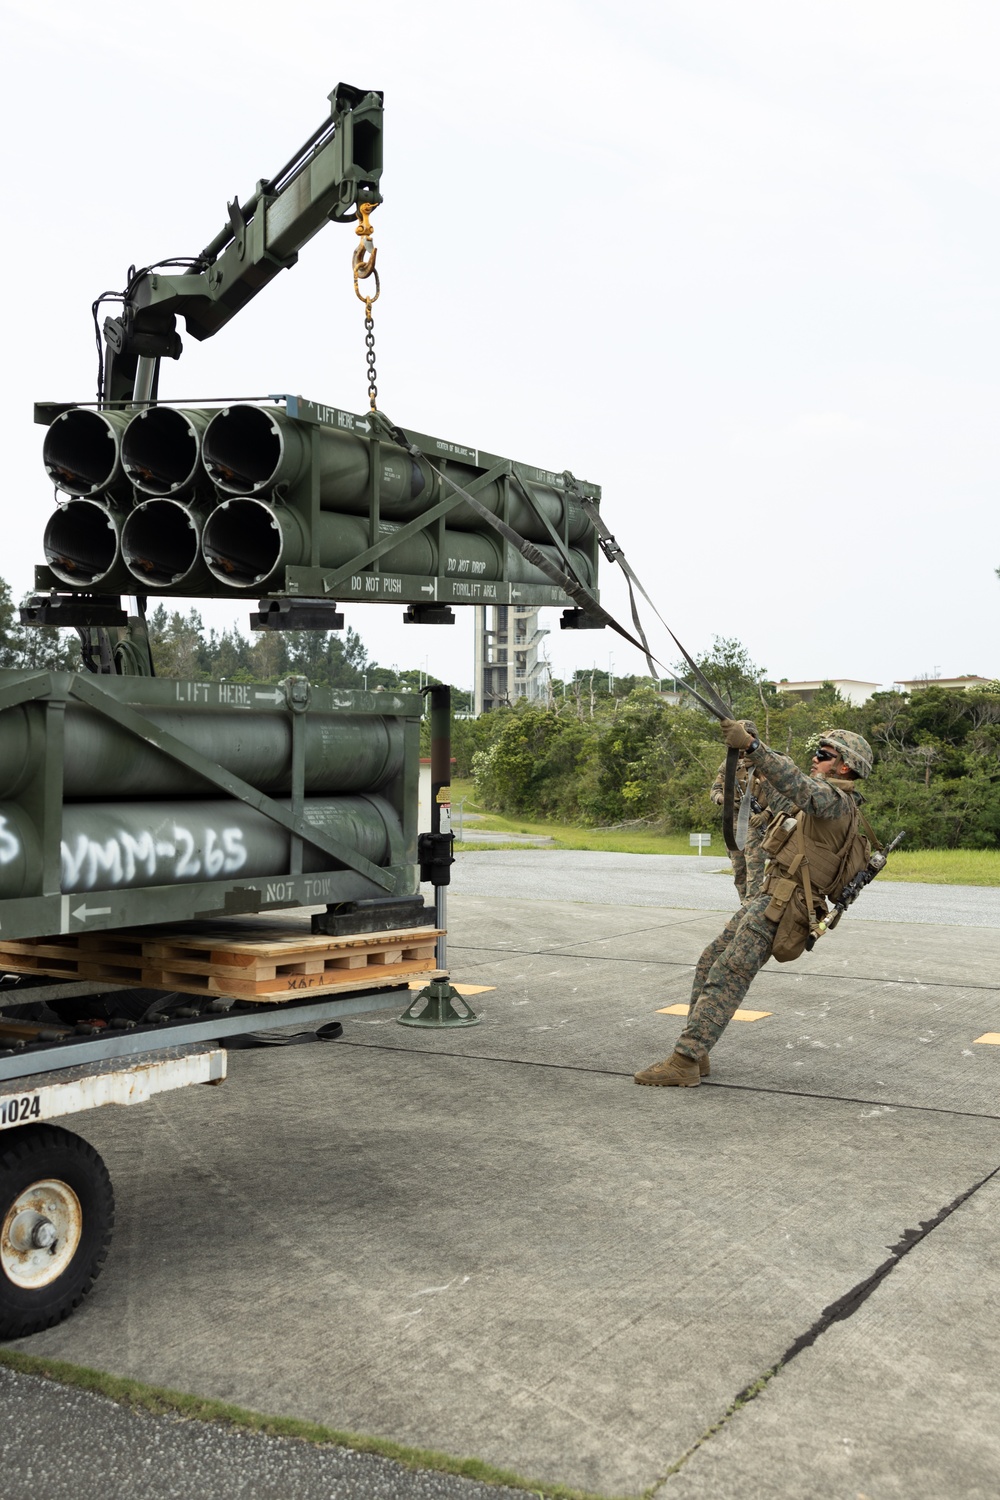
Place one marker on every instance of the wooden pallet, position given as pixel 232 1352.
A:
pixel 243 958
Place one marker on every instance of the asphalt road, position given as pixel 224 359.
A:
pixel 67 1444
pixel 695 882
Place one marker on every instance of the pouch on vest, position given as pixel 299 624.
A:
pixel 793 929
pixel 781 892
pixel 778 834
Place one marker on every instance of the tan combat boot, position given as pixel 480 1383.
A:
pixel 676 1071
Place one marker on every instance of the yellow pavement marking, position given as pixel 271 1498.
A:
pixel 992 1038
pixel 739 1015
pixel 461 989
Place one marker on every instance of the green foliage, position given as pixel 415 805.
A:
pixel 43 648
pixel 601 761
pixel 531 762
pixel 182 649
pixel 938 765
pixel 729 667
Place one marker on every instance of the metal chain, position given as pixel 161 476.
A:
pixel 370 353
pixel 363 266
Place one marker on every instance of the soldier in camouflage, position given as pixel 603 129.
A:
pixel 748 862
pixel 730 963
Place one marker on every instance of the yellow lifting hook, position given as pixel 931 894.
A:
pixel 363 266
pixel 363 261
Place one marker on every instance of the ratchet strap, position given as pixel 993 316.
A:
pixel 712 701
pixel 576 590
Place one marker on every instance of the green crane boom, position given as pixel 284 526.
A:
pixel 338 168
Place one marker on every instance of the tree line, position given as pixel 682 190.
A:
pixel 601 751
pixel 631 757
pixel 182 648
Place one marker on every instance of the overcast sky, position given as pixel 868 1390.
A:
pixel 734 262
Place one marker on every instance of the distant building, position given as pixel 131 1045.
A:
pixel 675 693
pixel 848 687
pixel 508 666
pixel 955 684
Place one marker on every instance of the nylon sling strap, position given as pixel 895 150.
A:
pixel 743 821
pixel 800 862
pixel 614 553
pixel 714 703
pixel 810 898
pixel 578 592
pixel 800 844
pixel 870 830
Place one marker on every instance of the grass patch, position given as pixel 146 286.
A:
pixel 161 1401
pixel 568 835
pixel 945 866
pixel 920 866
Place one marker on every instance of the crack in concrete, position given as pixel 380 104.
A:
pixel 746 1088
pixel 922 1109
pixel 837 1312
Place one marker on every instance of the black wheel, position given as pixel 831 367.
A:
pixel 57 1211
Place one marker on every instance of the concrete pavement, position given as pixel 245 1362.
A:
pixel 489 1242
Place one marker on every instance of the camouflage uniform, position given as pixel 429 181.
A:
pixel 729 964
pixel 748 862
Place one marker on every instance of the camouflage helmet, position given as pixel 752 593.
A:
pixel 751 728
pixel 854 750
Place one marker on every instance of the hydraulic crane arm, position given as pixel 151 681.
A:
pixel 337 169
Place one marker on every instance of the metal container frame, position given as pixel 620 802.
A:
pixel 122 700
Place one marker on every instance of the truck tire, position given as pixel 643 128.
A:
pixel 57 1211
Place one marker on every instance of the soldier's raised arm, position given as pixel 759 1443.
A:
pixel 821 796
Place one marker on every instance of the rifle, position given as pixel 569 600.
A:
pixel 852 890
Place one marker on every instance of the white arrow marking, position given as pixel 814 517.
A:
pixel 275 697
pixel 427 588
pixel 83 912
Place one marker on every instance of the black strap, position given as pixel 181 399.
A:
pixel 729 799
pixel 713 702
pixel 576 590
pixel 613 552
pixel 326 1033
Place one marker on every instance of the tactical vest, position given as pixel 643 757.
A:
pixel 810 859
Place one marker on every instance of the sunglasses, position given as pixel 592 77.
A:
pixel 824 754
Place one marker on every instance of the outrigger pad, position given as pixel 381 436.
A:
pixel 433 1007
